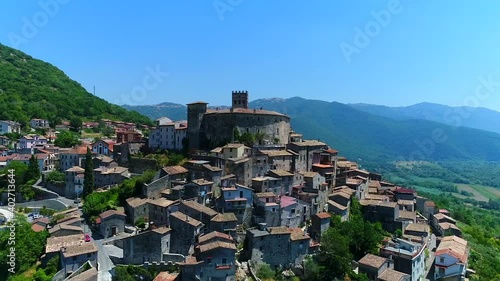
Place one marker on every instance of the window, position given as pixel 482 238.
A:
pixel 88 255
pixel 224 260
pixel 441 259
pixel 209 260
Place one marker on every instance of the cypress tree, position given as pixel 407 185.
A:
pixel 88 177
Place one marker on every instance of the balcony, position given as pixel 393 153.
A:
pixel 223 266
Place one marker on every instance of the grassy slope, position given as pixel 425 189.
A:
pixel 31 88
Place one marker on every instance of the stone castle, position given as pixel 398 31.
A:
pixel 209 128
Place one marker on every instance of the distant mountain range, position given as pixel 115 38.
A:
pixel 372 137
pixel 472 117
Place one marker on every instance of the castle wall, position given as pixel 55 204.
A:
pixel 219 128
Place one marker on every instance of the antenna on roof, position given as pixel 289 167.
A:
pixel 94 90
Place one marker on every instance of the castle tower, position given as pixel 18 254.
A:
pixel 240 99
pixel 195 112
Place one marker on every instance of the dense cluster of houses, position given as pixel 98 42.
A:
pixel 275 199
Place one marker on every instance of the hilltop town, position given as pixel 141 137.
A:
pixel 249 198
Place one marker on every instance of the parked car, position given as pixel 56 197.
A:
pixel 77 200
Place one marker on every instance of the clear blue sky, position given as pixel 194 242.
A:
pixel 432 51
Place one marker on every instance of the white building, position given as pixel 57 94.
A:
pixel 7 127
pixel 409 257
pixel 168 135
pixel 28 141
pixel 451 259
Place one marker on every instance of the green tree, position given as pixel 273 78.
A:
pixel 265 272
pixel 66 139
pixel 88 177
pixel 75 123
pixel 335 256
pixel 33 172
pixel 29 246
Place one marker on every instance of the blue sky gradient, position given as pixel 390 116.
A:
pixel 424 51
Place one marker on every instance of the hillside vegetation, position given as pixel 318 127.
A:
pixel 31 88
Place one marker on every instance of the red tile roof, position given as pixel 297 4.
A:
pixel 323 215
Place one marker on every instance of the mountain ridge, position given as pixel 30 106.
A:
pixel 372 138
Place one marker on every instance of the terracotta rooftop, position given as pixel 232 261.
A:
pixel 185 218
pixel 62 226
pixel 217 245
pixel 81 248
pixel 372 261
pixel 405 202
pixel 453 246
pixel 418 227
pixel 265 194
pixel 226 217
pixel 392 275
pixel 37 227
pixel 161 202
pixel 233 145
pixel 275 153
pixel 309 174
pixel 298 234
pixel 166 276
pixel 214 234
pixel 76 169
pixel 202 181
pixel 440 216
pixel 337 205
pixel 109 213
pixel 281 173
pixel 323 215
pixel 54 244
pixel 278 230
pixel 135 202
pixel 309 143
pixel 407 215
pixel 200 208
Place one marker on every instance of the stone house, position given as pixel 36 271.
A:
pixel 73 182
pixel 74 256
pixel 338 209
pixel 278 159
pixel 373 266
pixel 198 169
pixel 214 259
pixel 126 136
pixel 199 189
pixel 308 151
pixel 404 194
pixel 268 184
pixel 276 246
pixel 234 150
pixel 137 208
pixel 225 223
pixel 242 168
pixel 147 246
pixel 197 211
pixel 267 209
pixel 185 229
pixel 111 223
pixel 155 187
pixel 64 230
pixel 110 176
pixel 380 268
pixel 237 199
pixel 160 210
pixel 381 211
pixel 320 223
pixel 286 180
pixel 176 173
pixel 417 231
pixel 451 258
pixel 407 205
pixel 294 212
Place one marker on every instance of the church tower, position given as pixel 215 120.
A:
pixel 240 99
